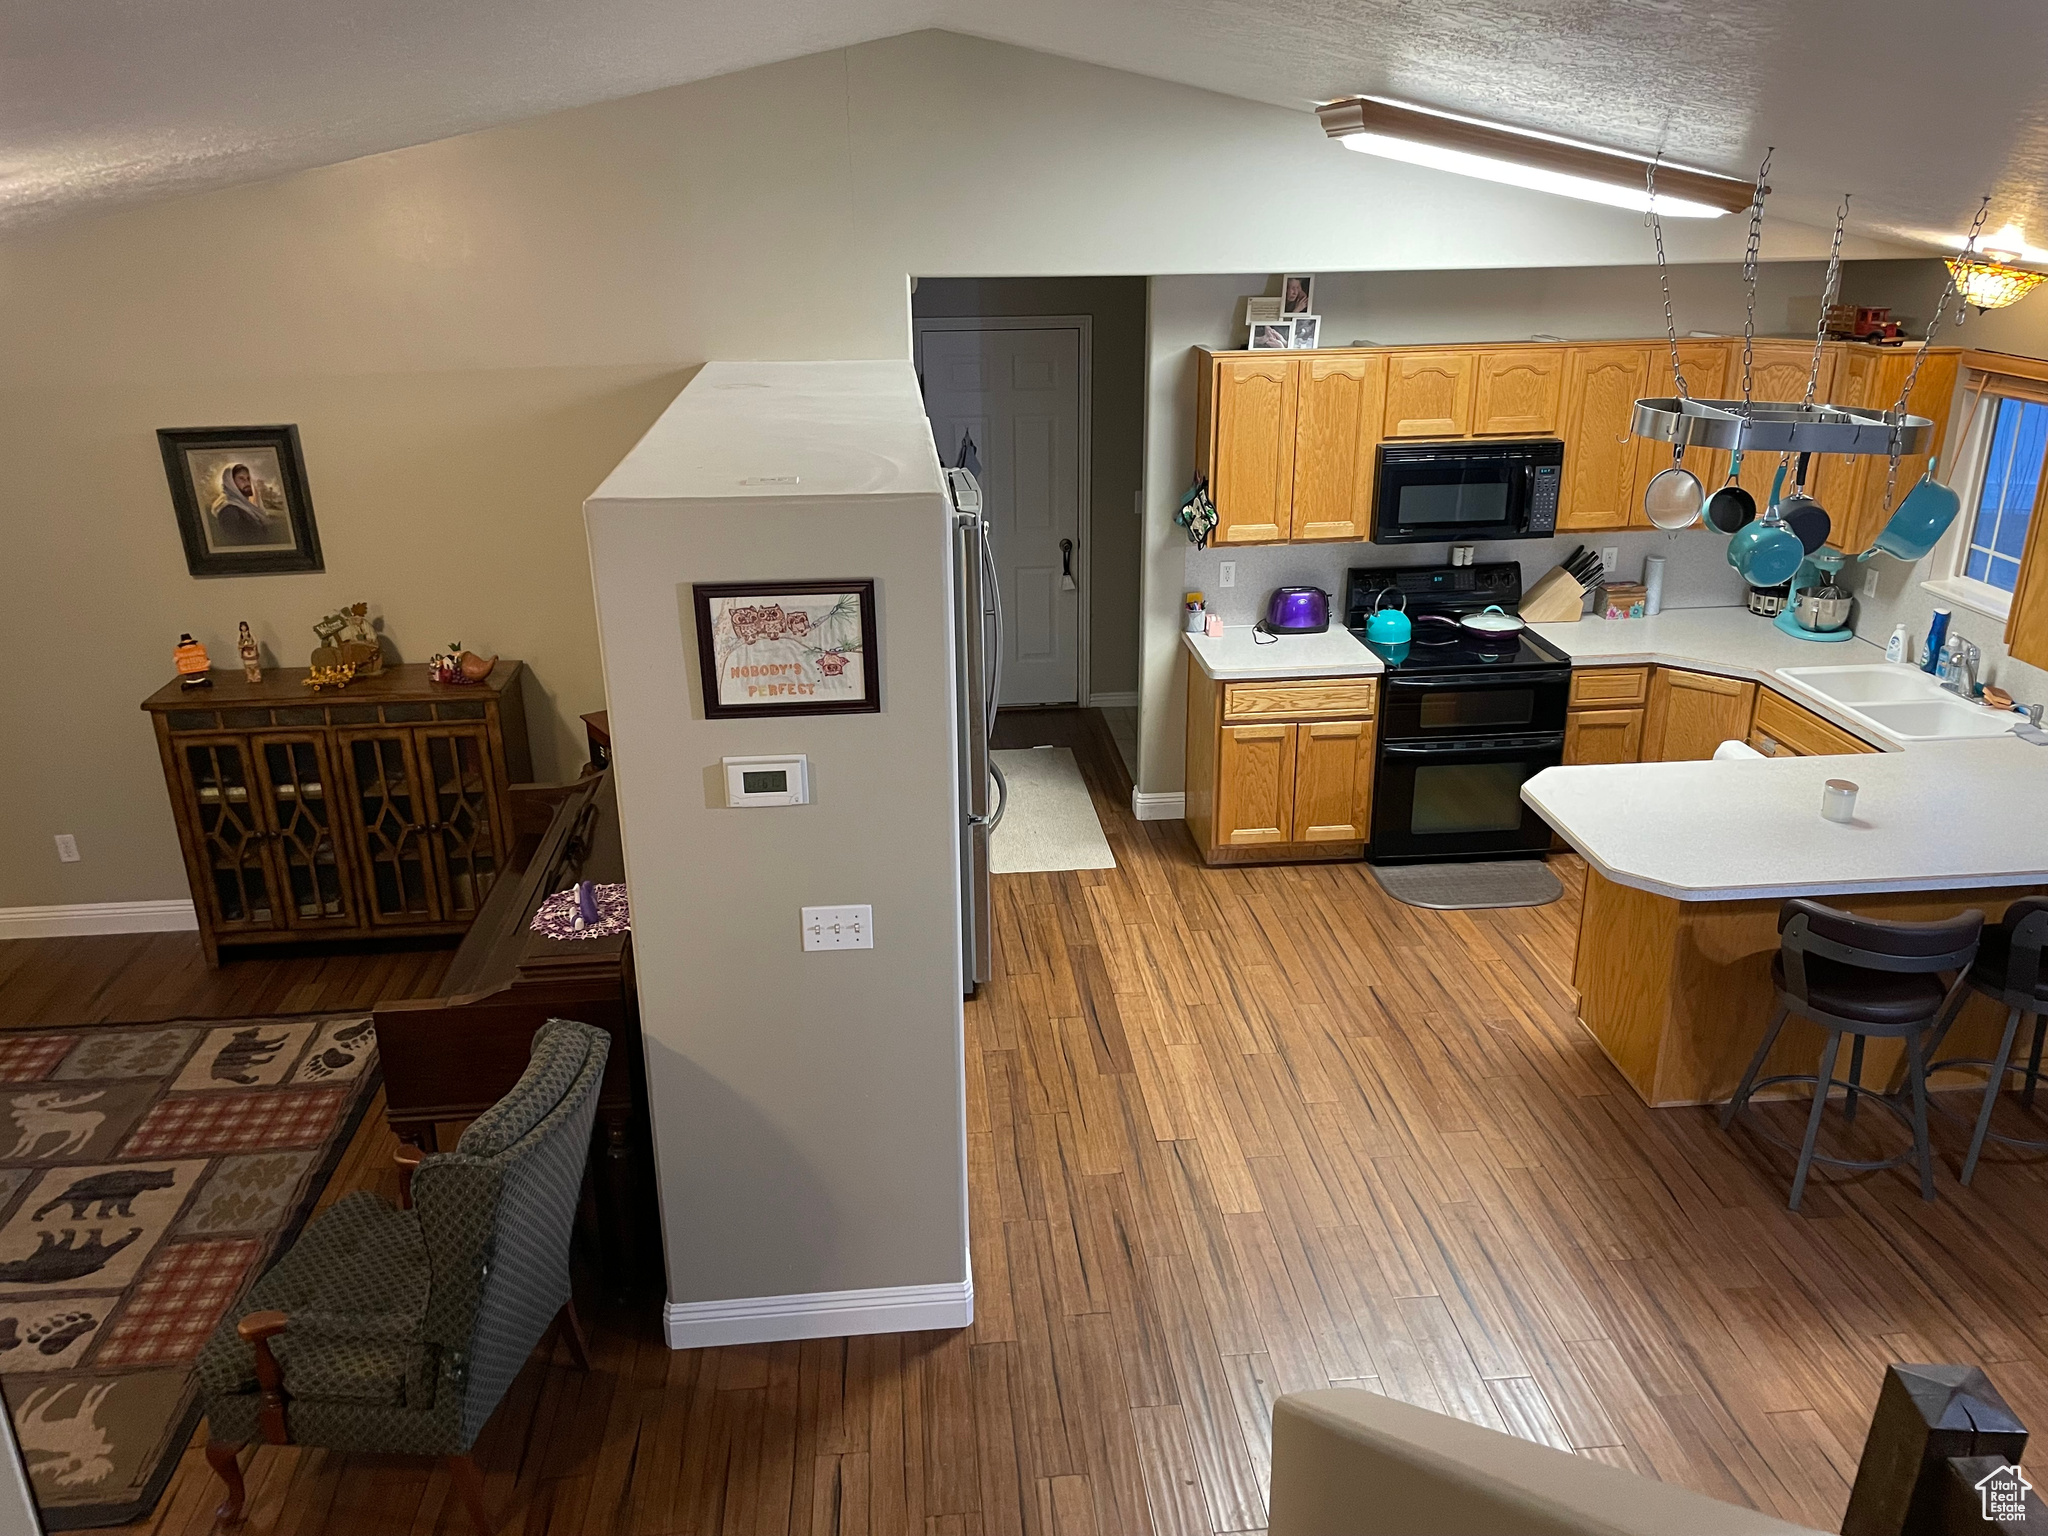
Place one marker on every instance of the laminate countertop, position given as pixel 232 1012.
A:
pixel 1235 657
pixel 1930 815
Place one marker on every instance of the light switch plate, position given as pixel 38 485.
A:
pixel 839 928
pixel 1870 582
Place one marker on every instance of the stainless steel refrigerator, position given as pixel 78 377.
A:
pixel 978 621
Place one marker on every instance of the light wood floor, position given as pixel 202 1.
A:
pixel 1232 1134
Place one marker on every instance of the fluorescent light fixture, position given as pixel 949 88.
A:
pixel 1520 158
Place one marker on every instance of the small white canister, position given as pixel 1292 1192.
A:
pixel 1838 800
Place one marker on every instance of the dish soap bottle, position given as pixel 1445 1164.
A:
pixel 1937 631
pixel 1895 648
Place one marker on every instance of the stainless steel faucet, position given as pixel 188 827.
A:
pixel 1962 673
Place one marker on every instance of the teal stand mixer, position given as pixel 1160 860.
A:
pixel 1819 606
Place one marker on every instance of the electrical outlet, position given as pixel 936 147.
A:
pixel 839 928
pixel 1610 556
pixel 1870 582
pixel 67 848
pixel 1226 574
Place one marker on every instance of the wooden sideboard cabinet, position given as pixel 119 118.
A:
pixel 381 809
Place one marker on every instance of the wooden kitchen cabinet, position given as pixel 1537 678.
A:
pixel 1332 781
pixel 1603 736
pixel 1284 789
pixel 1853 490
pixel 1245 411
pixel 1781 728
pixel 2026 625
pixel 1255 785
pixel 1429 394
pixel 1602 385
pixel 1338 399
pixel 1518 393
pixel 383 809
pixel 1692 713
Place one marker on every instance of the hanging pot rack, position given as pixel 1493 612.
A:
pixel 1765 426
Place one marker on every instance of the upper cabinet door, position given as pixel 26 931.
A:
pixel 1429 394
pixel 1336 430
pixel 2026 625
pixel 1602 385
pixel 1705 364
pixel 1518 393
pixel 1252 474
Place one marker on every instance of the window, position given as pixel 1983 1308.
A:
pixel 2005 497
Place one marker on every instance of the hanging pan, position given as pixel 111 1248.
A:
pixel 1731 507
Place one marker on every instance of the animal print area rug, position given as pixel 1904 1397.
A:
pixel 147 1176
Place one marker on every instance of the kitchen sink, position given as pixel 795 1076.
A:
pixel 1902 702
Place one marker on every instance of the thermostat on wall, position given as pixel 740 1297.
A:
pixel 767 780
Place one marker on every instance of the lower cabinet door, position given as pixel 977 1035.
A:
pixel 1255 785
pixel 304 802
pixel 224 807
pixel 388 814
pixel 1603 736
pixel 1692 713
pixel 1332 781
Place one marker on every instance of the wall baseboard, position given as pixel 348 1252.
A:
pixel 1171 807
pixel 1113 700
pixel 90 917
pixel 818 1315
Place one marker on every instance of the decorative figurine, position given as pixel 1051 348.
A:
pixel 194 665
pixel 360 650
pixel 252 658
pixel 457 666
pixel 330 677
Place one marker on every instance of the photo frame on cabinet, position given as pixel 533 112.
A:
pixel 1307 330
pixel 769 648
pixel 1297 294
pixel 241 499
pixel 1271 336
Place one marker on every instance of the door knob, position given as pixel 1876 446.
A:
pixel 1067 565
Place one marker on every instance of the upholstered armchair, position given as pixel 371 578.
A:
pixel 397 1330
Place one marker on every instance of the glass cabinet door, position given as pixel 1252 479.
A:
pixel 389 813
pixel 457 763
pixel 228 825
pixel 296 779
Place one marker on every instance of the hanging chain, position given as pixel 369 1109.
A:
pixel 1828 290
pixel 1898 412
pixel 1749 272
pixel 1656 224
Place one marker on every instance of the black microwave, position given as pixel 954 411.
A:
pixel 1455 493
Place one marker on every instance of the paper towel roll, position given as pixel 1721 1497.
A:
pixel 1653 584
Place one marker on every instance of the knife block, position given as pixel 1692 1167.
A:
pixel 1555 599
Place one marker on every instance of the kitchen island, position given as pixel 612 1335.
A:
pixel 1689 861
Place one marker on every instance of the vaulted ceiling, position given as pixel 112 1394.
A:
pixel 1915 109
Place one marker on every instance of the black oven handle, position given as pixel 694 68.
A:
pixel 1554 742
pixel 1437 682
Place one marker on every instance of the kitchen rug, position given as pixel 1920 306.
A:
pixel 1450 887
pixel 147 1175
pixel 1049 821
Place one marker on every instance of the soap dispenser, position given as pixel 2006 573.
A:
pixel 1895 648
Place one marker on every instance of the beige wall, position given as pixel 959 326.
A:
pixel 1116 446
pixel 468 332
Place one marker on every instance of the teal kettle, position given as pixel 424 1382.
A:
pixel 1389 626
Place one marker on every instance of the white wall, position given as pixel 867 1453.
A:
pixel 469 332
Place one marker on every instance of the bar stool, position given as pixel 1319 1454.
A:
pixel 2008 968
pixel 1861 977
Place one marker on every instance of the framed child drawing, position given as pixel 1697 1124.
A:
pixel 787 648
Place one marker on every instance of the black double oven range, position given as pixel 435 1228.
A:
pixel 1464 717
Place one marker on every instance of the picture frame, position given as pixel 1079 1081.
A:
pixel 241 499
pixel 1308 330
pixel 1259 311
pixel 1271 336
pixel 767 648
pixel 1298 293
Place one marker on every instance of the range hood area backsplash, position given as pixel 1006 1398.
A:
pixel 1696 569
